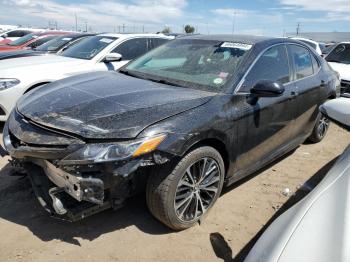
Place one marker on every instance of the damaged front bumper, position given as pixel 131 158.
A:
pixel 75 190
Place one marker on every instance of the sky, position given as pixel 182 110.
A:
pixel 262 17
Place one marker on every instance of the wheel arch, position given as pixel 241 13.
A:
pixel 36 85
pixel 217 144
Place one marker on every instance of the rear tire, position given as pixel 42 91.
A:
pixel 179 197
pixel 320 129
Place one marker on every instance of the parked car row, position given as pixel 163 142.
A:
pixel 177 119
pixel 14 34
pixel 54 46
pixel 95 53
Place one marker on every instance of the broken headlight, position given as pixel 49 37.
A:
pixel 8 82
pixel 105 152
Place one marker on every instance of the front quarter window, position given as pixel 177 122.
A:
pixel 194 63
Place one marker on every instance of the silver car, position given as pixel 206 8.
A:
pixel 318 227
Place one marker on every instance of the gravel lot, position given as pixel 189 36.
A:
pixel 131 234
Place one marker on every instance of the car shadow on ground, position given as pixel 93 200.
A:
pixel 222 249
pixel 19 205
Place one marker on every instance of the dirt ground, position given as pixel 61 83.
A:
pixel 131 234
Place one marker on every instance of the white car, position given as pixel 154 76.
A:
pixel 315 45
pixel 14 34
pixel 339 59
pixel 97 53
pixel 317 229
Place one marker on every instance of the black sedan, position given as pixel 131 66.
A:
pixel 181 122
pixel 54 46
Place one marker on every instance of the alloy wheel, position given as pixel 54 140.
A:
pixel 197 189
pixel 323 125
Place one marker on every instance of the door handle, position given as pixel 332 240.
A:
pixel 293 94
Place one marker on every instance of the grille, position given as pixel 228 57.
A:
pixel 345 87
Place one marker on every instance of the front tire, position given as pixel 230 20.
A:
pixel 320 129
pixel 179 197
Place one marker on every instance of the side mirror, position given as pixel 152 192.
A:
pixel 337 110
pixel 113 57
pixel 267 88
pixel 4 36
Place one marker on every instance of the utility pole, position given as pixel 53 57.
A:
pixel 123 28
pixel 234 22
pixel 86 26
pixel 76 22
pixel 298 28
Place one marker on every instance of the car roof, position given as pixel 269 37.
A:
pixel 248 39
pixel 305 39
pixel 78 35
pixel 134 35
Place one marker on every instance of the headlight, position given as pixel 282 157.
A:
pixel 8 82
pixel 105 152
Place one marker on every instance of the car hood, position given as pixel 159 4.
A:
pixel 17 67
pixel 9 48
pixel 317 228
pixel 18 53
pixel 105 105
pixel 342 69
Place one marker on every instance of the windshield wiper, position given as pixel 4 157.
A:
pixel 163 81
pixel 141 76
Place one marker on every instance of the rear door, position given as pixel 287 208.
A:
pixel 308 84
pixel 265 123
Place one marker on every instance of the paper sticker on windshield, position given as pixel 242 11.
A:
pixel 66 39
pixel 218 81
pixel 236 45
pixel 106 40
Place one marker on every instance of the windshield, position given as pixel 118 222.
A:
pixel 340 54
pixel 23 40
pixel 55 44
pixel 200 64
pixel 89 47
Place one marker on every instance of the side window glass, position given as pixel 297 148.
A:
pixel 273 65
pixel 302 61
pixel 41 41
pixel 17 33
pixel 158 41
pixel 132 48
pixel 315 64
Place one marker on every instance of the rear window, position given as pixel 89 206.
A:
pixel 23 40
pixel 340 54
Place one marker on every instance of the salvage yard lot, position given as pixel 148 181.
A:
pixel 132 234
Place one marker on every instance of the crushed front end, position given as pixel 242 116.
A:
pixel 74 178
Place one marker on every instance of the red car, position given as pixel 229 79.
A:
pixel 31 41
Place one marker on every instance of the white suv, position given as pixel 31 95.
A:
pixel 97 53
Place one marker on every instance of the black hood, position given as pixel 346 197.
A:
pixel 107 104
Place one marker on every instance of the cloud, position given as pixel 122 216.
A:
pixel 97 13
pixel 341 6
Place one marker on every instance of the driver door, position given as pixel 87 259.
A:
pixel 265 125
